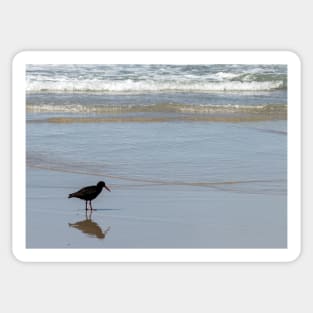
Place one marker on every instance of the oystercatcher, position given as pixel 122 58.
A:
pixel 89 193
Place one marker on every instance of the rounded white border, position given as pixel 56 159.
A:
pixel 155 255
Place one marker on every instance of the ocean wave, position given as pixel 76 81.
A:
pixel 128 86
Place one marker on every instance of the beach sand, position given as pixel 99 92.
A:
pixel 149 216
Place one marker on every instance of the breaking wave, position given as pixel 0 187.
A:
pixel 128 86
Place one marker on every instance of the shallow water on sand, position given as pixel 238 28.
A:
pixel 187 185
pixel 246 158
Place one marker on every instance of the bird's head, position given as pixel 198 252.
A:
pixel 101 184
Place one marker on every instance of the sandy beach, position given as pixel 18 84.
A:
pixel 148 217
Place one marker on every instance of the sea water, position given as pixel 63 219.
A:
pixel 220 130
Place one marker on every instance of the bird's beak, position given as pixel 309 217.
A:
pixel 107 188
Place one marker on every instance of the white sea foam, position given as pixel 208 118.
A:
pixel 154 78
pixel 149 86
pixel 225 75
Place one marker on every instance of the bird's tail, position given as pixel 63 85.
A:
pixel 70 195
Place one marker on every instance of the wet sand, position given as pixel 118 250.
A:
pixel 149 216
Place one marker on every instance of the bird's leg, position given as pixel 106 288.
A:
pixel 90 205
pixel 86 206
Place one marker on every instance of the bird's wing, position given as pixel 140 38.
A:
pixel 86 189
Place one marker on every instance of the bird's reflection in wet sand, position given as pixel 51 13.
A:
pixel 89 227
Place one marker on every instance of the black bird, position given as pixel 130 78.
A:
pixel 89 193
